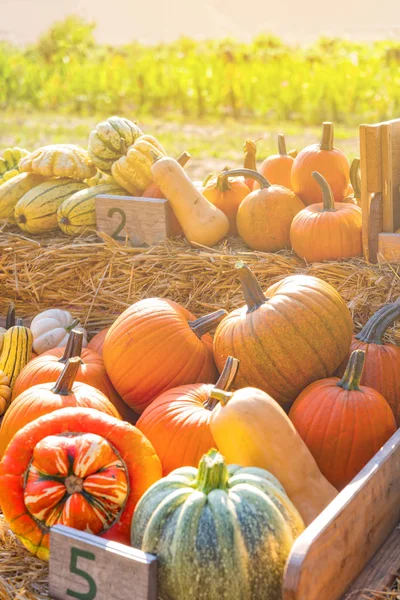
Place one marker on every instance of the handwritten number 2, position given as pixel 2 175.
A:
pixel 73 567
pixel 122 224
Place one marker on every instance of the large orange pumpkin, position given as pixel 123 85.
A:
pixel 327 160
pixel 342 422
pixel 227 195
pixel 382 359
pixel 177 423
pixel 97 341
pixel 156 345
pixel 265 215
pixel 277 168
pixel 47 367
pixel 297 332
pixel 46 397
pixel 327 231
pixel 77 467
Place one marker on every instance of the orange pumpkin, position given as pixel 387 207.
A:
pixel 5 392
pixel 43 398
pixel 227 195
pixel 277 168
pixel 77 467
pixel 47 367
pixel 382 359
pixel 327 231
pixel 298 331
pixel 265 215
pixel 97 341
pixel 184 414
pixel 156 345
pixel 342 422
pixel 327 160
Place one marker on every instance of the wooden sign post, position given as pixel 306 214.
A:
pixel 87 567
pixel 145 221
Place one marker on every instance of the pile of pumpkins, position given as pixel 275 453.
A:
pixel 304 201
pixel 208 451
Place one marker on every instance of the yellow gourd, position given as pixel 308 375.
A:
pixel 16 351
pixel 201 221
pixel 251 429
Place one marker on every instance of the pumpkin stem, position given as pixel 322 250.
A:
pixel 249 174
pixel 327 196
pixel 10 318
pixel 183 158
pixel 205 324
pixel 355 177
pixel 63 385
pixel 224 382
pixel 293 153
pixel 223 184
pixel 373 330
pixel 282 145
pixel 212 473
pixel 354 370
pixel 123 148
pixel 252 292
pixel 327 136
pixel 73 347
pixel 221 397
pixel 250 152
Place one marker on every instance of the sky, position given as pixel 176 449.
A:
pixel 152 21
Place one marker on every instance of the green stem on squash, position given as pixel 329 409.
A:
pixel 327 136
pixel 63 385
pixel 223 184
pixel 224 382
pixel 373 330
pixel 249 174
pixel 10 318
pixel 72 326
pixel 252 292
pixel 221 396
pixel 212 473
pixel 282 145
pixel 327 196
pixel 205 324
pixel 355 178
pixel 353 373
pixel 73 347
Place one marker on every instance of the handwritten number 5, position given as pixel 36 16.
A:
pixel 73 567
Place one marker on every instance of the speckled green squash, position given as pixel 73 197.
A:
pixel 219 532
pixel 111 140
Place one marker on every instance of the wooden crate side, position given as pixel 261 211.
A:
pixel 335 548
pixel 390 153
pixel 371 181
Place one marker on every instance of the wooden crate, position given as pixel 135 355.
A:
pixel 380 190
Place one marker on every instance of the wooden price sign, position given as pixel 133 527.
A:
pixel 145 221
pixel 87 567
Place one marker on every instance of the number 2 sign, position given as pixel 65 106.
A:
pixel 86 567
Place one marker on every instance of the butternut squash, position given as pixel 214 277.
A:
pixel 202 222
pixel 16 351
pixel 251 429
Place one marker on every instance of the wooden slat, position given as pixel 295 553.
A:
pixel 381 570
pixel 375 225
pixel 371 181
pixel 334 549
pixel 390 150
pixel 389 248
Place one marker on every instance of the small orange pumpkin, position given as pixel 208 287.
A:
pixel 227 195
pixel 277 168
pixel 327 231
pixel 342 422
pixel 327 160
pixel 97 341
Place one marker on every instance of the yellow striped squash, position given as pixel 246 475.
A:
pixel 16 351
pixel 12 190
pixel 133 171
pixel 77 213
pixel 36 212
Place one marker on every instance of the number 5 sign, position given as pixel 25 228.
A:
pixel 86 567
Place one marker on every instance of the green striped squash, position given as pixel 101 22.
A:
pixel 77 213
pixel 111 140
pixel 36 211
pixel 12 190
pixel 218 532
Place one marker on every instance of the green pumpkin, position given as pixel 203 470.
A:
pixel 111 140
pixel 219 532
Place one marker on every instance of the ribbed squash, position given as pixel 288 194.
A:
pixel 218 532
pixel 16 352
pixel 78 212
pixel 36 212
pixel 9 163
pixel 133 171
pixel 59 160
pixel 13 190
pixel 5 392
pixel 110 140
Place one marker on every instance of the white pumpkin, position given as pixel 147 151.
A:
pixel 50 329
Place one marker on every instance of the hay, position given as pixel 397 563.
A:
pixel 96 278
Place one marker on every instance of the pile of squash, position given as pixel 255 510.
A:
pixel 210 450
pixel 303 201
